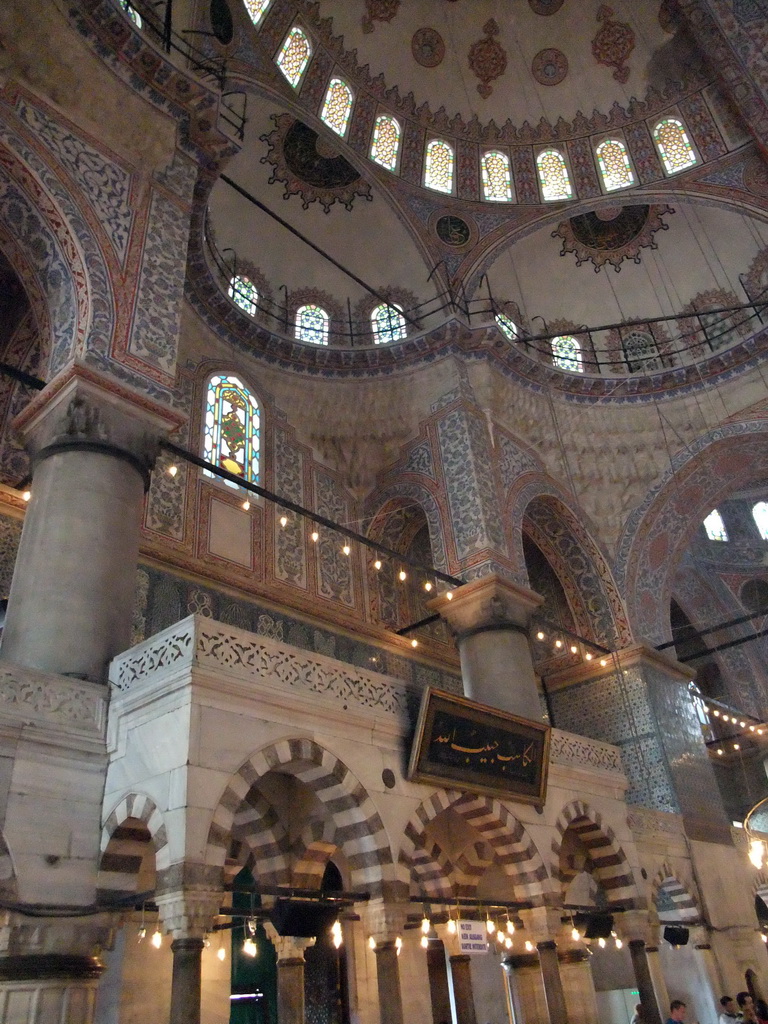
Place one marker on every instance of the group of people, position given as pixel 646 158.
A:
pixel 744 1008
pixel 741 1010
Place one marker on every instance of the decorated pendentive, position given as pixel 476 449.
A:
pixel 427 47
pixel 379 10
pixel 613 43
pixel 487 58
pixel 612 234
pixel 310 167
pixel 549 66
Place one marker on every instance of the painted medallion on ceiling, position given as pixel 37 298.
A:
pixel 427 47
pixel 549 67
pixel 310 167
pixel 487 58
pixel 612 234
pixel 545 7
pixel 613 43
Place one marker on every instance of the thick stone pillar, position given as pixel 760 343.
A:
pixel 188 915
pixel 463 998
pixel 50 972
pixel 578 985
pixel 490 618
pixel 71 599
pixel 658 980
pixel 386 923
pixel 553 986
pixel 439 988
pixel 651 1014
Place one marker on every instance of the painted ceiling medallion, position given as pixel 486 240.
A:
pixel 612 234
pixel 452 230
pixel 549 67
pixel 613 43
pixel 309 167
pixel 379 10
pixel 487 58
pixel 427 47
pixel 669 16
pixel 546 7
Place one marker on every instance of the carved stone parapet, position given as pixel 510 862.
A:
pixel 27 695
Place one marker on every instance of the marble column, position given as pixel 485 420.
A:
pixel 188 914
pixel 651 1014
pixel 578 984
pixel 290 975
pixel 553 985
pixel 386 923
pixel 439 987
pixel 185 981
pixel 658 980
pixel 490 618
pixel 71 600
pixel 463 998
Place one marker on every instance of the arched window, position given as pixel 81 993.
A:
pixel 566 353
pixel 715 526
pixel 641 351
pixel 438 168
pixel 294 56
pixel 614 165
pixel 760 515
pixel 232 427
pixel 243 293
pixel 386 141
pixel 312 324
pixel 507 326
pixel 553 175
pixel 132 13
pixel 672 143
pixel 497 180
pixel 256 9
pixel 388 324
pixel 337 106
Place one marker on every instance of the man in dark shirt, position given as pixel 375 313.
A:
pixel 676 1012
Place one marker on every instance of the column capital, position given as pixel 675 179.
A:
pixel 385 921
pixel 542 925
pixel 488 603
pixel 636 926
pixel 188 913
pixel 288 947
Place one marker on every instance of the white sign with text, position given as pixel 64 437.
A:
pixel 472 937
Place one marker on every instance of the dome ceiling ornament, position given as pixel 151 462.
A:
pixel 379 10
pixel 310 167
pixel 612 234
pixel 613 43
pixel 669 16
pixel 545 7
pixel 487 58
pixel 427 47
pixel 549 67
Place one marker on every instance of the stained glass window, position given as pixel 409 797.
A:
pixel 507 326
pixel 243 293
pixel 337 106
pixel 672 143
pixel 497 180
pixel 715 526
pixel 232 424
pixel 312 324
pixel 438 172
pixel 641 351
pixel 614 165
pixel 760 515
pixel 386 142
pixel 294 56
pixel 566 353
pixel 257 9
pixel 388 324
pixel 553 175
pixel 132 14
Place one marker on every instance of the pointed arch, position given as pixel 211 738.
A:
pixel 615 168
pixel 553 176
pixel 513 849
pixel 294 56
pixel 438 166
pixel 431 872
pixel 667 889
pixel 311 853
pixel 232 427
pixel 132 828
pixel 497 177
pixel 674 146
pixel 360 832
pixel 337 106
pixel 385 147
pixel 608 860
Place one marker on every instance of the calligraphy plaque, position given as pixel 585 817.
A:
pixel 471 746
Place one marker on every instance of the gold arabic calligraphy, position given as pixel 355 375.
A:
pixel 527 755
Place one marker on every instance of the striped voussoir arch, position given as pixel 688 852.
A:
pixel 668 889
pixel 258 828
pixel 607 859
pixel 311 852
pixel 359 830
pixel 431 872
pixel 133 826
pixel 495 825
